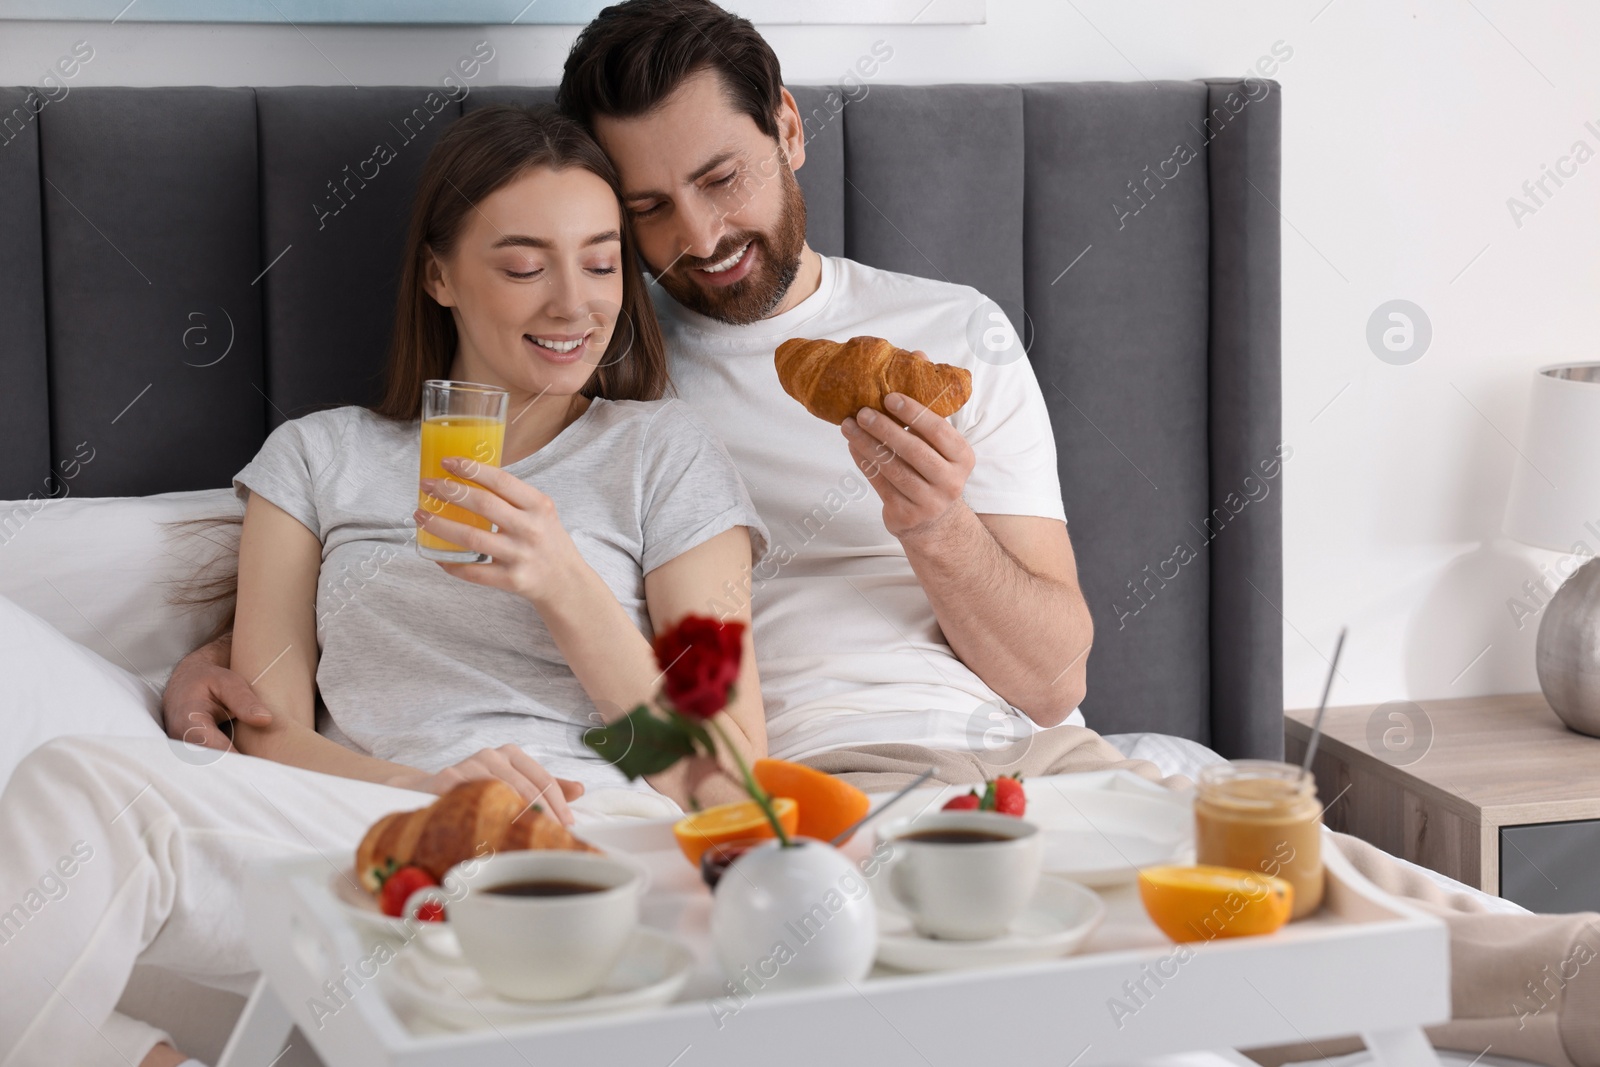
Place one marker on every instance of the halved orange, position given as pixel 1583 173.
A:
pixel 741 820
pixel 1202 903
pixel 828 805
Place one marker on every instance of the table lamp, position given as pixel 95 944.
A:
pixel 1555 504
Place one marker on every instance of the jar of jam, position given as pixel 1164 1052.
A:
pixel 1263 816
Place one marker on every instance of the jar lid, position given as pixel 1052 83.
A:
pixel 1257 784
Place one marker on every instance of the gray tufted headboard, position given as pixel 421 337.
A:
pixel 146 232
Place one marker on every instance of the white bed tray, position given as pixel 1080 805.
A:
pixel 1367 963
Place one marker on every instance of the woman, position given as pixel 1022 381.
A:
pixel 519 274
pixel 616 513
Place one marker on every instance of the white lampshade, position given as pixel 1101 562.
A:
pixel 1555 492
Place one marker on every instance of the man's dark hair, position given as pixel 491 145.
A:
pixel 635 54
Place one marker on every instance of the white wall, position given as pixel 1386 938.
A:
pixel 1406 128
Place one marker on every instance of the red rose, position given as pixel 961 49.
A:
pixel 700 658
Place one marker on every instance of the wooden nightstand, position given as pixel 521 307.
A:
pixel 1492 791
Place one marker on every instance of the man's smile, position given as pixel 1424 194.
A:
pixel 718 268
pixel 729 270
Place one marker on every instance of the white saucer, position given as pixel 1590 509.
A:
pixel 1105 858
pixel 652 970
pixel 1055 922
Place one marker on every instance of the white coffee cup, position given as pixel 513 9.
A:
pixel 964 891
pixel 537 947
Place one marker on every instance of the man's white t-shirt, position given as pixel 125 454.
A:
pixel 849 649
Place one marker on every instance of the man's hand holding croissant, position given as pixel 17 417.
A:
pixel 916 460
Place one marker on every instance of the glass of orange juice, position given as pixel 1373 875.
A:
pixel 458 419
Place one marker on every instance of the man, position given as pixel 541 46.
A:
pixel 921 584
pixel 911 624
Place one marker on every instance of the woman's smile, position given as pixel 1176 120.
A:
pixel 559 348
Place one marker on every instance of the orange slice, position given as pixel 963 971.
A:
pixel 828 805
pixel 741 820
pixel 1202 903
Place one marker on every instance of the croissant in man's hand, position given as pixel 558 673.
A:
pixel 835 380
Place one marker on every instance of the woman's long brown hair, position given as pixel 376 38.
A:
pixel 477 154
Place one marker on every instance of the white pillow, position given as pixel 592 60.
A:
pixel 101 570
pixel 1173 755
pixel 55 687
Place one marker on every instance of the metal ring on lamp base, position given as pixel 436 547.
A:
pixel 1567 654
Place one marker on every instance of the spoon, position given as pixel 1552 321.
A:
pixel 1316 726
pixel 844 835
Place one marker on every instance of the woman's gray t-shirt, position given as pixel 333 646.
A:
pixel 425 669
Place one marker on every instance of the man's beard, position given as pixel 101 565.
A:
pixel 753 297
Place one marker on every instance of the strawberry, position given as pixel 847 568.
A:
pixel 966 802
pixel 1003 794
pixel 398 885
pixel 1009 798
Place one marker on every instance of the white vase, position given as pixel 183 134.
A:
pixel 787 918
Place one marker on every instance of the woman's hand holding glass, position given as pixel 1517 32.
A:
pixel 511 765
pixel 532 554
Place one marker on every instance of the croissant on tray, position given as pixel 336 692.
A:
pixel 475 818
pixel 835 380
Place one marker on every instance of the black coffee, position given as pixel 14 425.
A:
pixel 955 837
pixel 547 887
